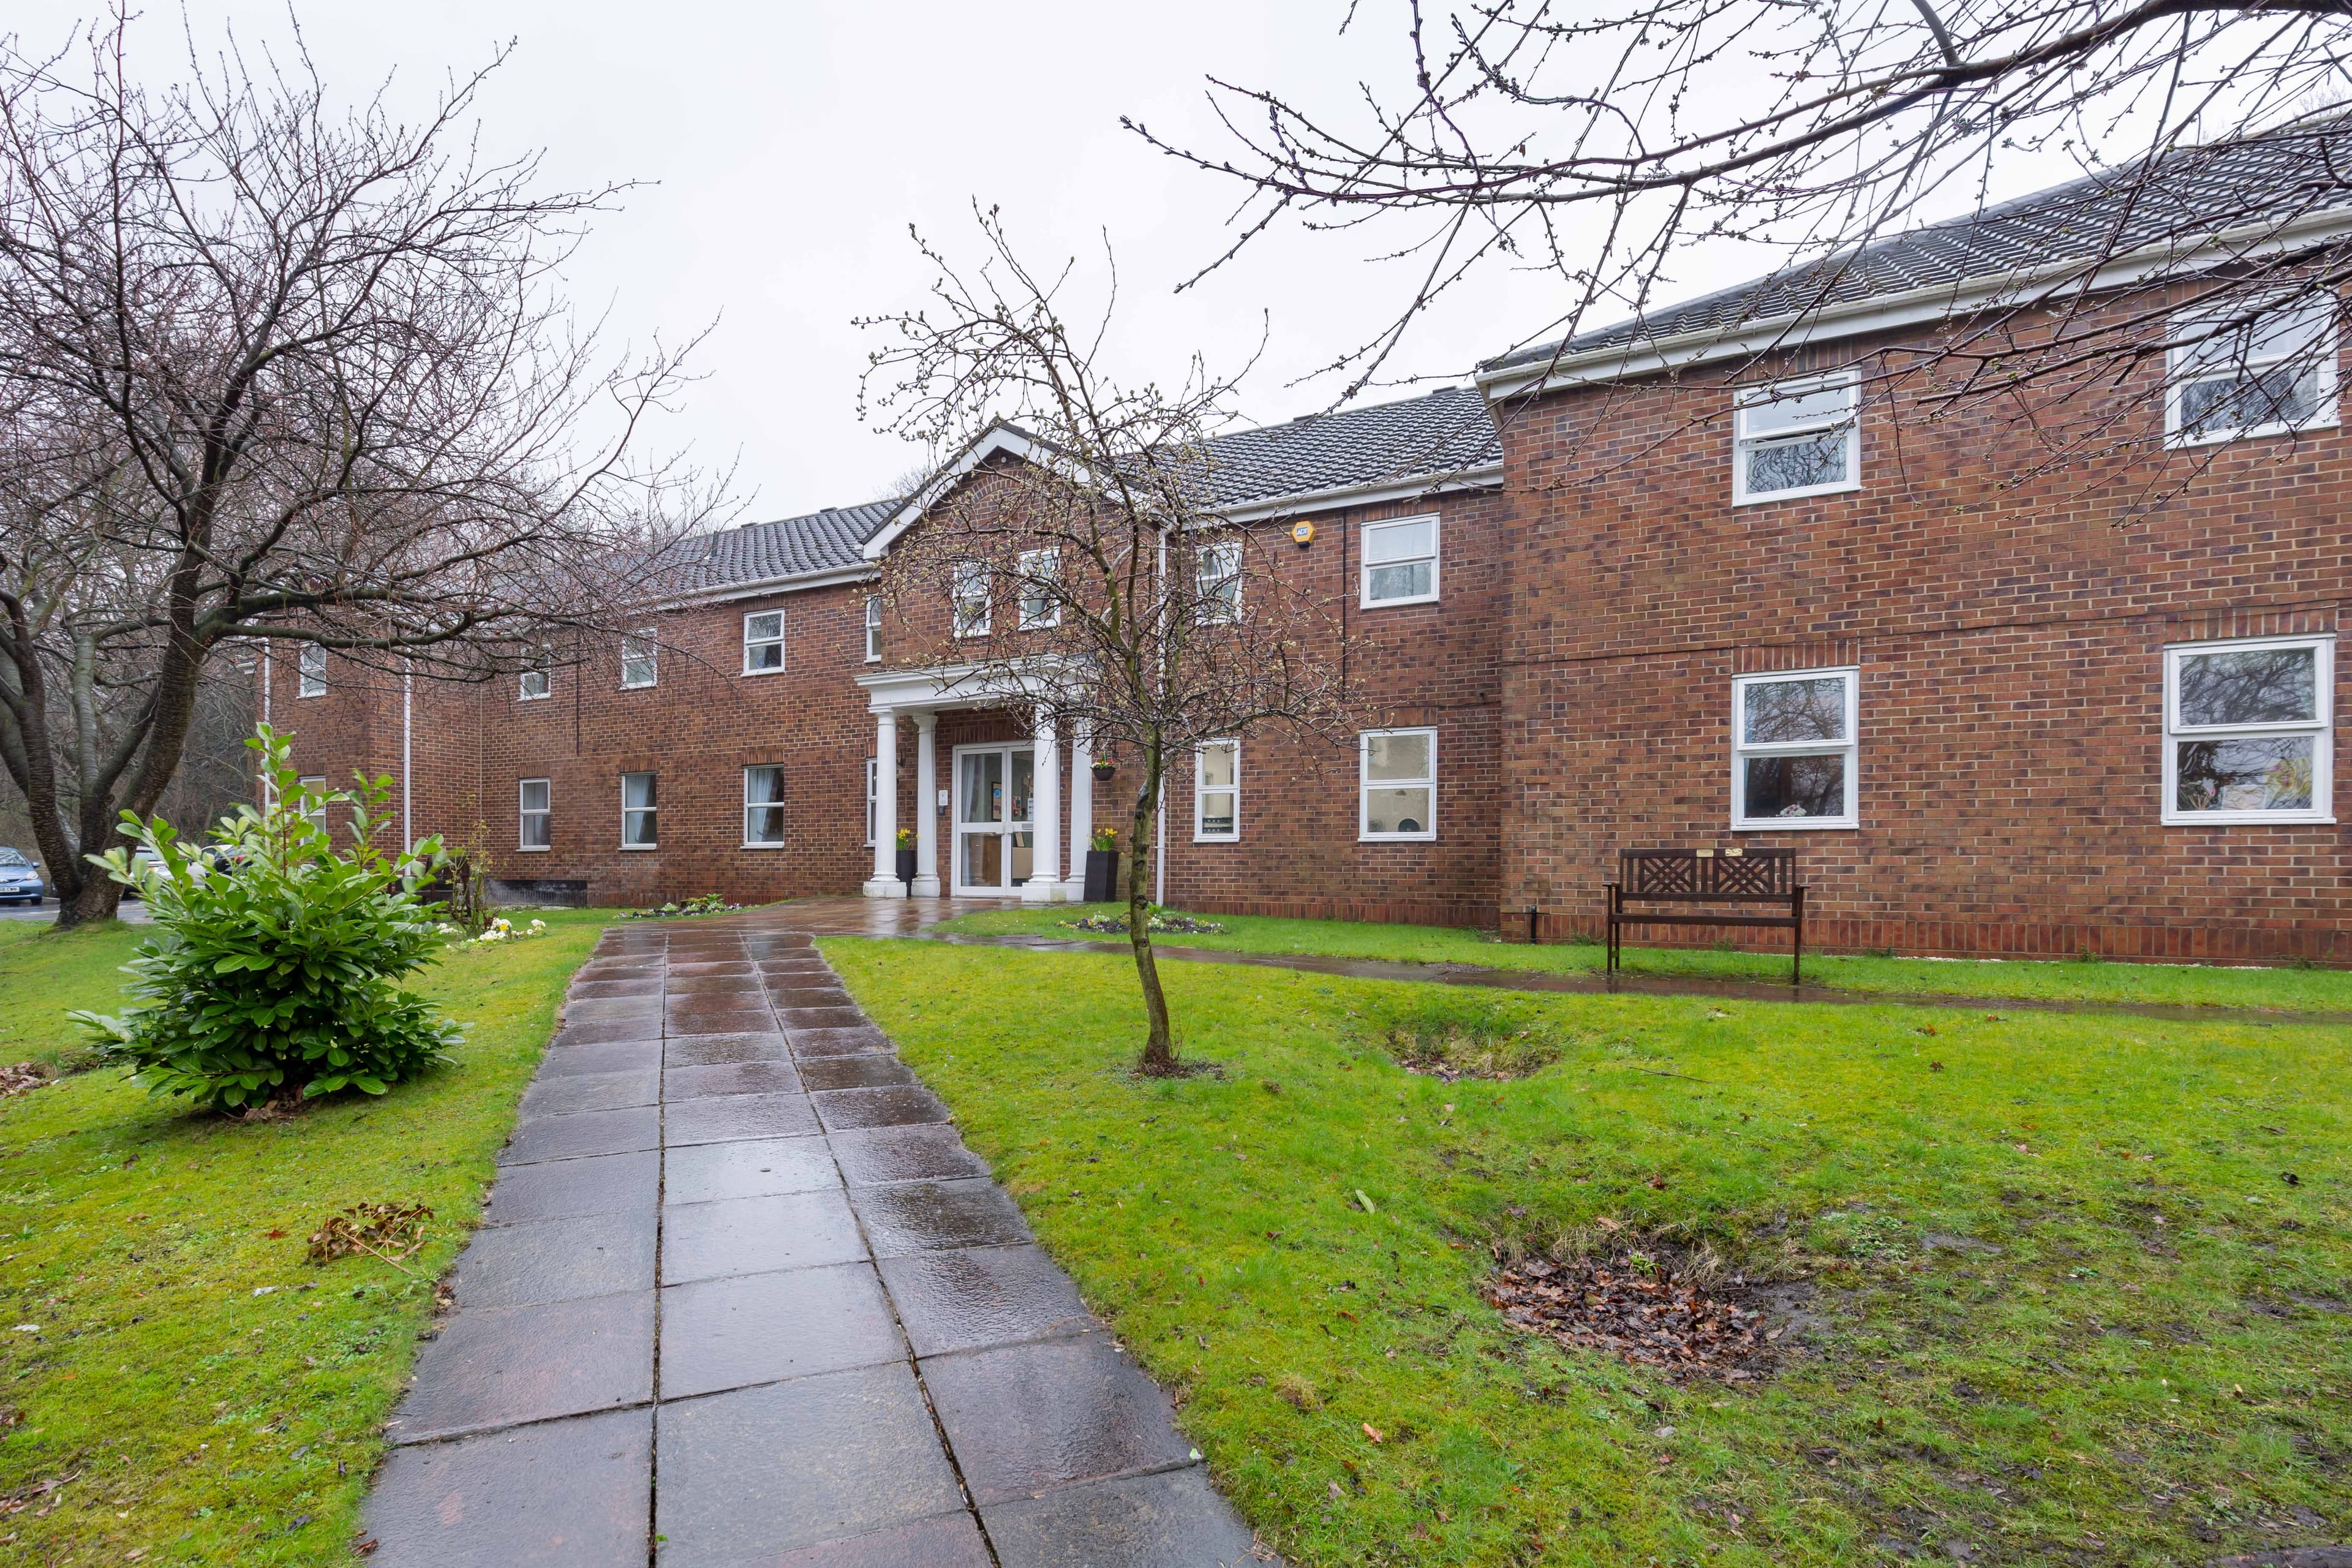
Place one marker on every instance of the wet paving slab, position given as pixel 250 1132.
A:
pixel 723 1171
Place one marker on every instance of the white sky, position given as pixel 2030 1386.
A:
pixel 788 146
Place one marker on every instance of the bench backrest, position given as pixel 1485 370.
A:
pixel 1732 873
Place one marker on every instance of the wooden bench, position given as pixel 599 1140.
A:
pixel 1679 879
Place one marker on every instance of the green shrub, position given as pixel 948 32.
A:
pixel 271 973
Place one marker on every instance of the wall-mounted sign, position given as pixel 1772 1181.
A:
pixel 1303 531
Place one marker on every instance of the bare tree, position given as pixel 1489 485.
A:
pixel 269 370
pixel 1088 573
pixel 1615 146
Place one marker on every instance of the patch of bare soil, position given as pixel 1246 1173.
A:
pixel 1634 1304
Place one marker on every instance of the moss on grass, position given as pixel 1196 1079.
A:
pixel 214 1397
pixel 2056 1301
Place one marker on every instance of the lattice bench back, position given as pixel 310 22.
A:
pixel 1700 874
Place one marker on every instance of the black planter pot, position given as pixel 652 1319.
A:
pixel 907 869
pixel 1102 876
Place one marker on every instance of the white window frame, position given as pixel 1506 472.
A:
pixel 874 629
pixel 1365 784
pixel 1201 835
pixel 1746 398
pixel 1850 747
pixel 873 795
pixel 524 813
pixel 2321 728
pixel 2177 354
pixel 970 582
pixel 310 681
pixel 627 810
pixel 545 670
pixel 752 642
pixel 777 805
pixel 1042 563
pixel 1218 564
pixel 1364 532
pixel 640 647
pixel 305 788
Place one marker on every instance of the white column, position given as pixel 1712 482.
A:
pixel 886 883
pixel 927 806
pixel 1082 808
pixel 1044 886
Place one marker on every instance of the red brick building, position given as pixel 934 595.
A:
pixel 1715 577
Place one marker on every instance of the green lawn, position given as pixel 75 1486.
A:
pixel 2065 1307
pixel 212 1397
pixel 46 973
pixel 2298 990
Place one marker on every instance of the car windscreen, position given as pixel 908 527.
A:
pixel 12 857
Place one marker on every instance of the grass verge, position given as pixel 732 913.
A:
pixel 205 1395
pixel 2053 1296
pixel 2178 984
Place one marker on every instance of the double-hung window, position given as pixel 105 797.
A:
pixel 1397 785
pixel 874 629
pixel 311 792
pixel 536 680
pixel 873 795
pixel 1792 749
pixel 2247 730
pixel 1217 580
pixel 1041 588
pixel 638 652
pixel 763 808
pixel 1217 792
pixel 535 815
pixel 1796 437
pixel 1399 562
pixel 968 592
pixel 763 642
pixel 311 671
pixel 638 800
pixel 2231 377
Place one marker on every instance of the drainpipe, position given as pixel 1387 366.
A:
pixel 407 823
pixel 267 681
pixel 1159 821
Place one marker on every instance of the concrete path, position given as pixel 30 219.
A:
pixel 742 1296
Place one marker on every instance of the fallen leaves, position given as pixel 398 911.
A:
pixel 386 1231
pixel 23 1076
pixel 1373 1433
pixel 1633 1307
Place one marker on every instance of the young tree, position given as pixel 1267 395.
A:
pixel 1092 572
pixel 1617 145
pixel 271 369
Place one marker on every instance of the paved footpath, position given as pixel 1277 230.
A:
pixel 742 1296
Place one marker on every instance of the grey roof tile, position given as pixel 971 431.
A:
pixel 2272 179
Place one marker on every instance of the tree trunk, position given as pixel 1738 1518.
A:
pixel 100 899
pixel 1158 1059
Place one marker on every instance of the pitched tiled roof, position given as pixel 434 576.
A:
pixel 2268 179
pixel 1441 433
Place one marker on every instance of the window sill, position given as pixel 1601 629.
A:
pixel 307 695
pixel 777 670
pixel 630 848
pixel 1216 838
pixel 1801 492
pixel 2249 818
pixel 534 848
pixel 1396 837
pixel 759 846
pixel 534 696
pixel 1364 604
pixel 641 686
pixel 1797 825
pixel 873 658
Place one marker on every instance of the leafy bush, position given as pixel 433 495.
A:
pixel 271 973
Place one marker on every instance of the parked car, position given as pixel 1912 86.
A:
pixel 20 878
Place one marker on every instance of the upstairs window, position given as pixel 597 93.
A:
pixel 536 814
pixel 2272 376
pixel 1397 785
pixel 1793 750
pixel 311 671
pixel 874 629
pixel 1399 562
pixel 1796 438
pixel 638 828
pixel 763 642
pixel 538 681
pixel 1041 589
pixel 2247 730
pixel 969 590
pixel 638 650
pixel 1217 792
pixel 763 808
pixel 1217 580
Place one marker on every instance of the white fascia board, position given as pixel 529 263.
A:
pixel 793 584
pixel 1488 476
pixel 1889 312
pixel 953 686
pixel 995 439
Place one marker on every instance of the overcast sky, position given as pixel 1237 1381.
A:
pixel 787 147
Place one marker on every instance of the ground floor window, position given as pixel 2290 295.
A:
pixel 1217 792
pixel 1397 785
pixel 537 813
pixel 1793 748
pixel 763 808
pixel 2247 730
pixel 637 827
pixel 873 795
pixel 311 801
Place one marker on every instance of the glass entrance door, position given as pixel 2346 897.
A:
pixel 994 847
